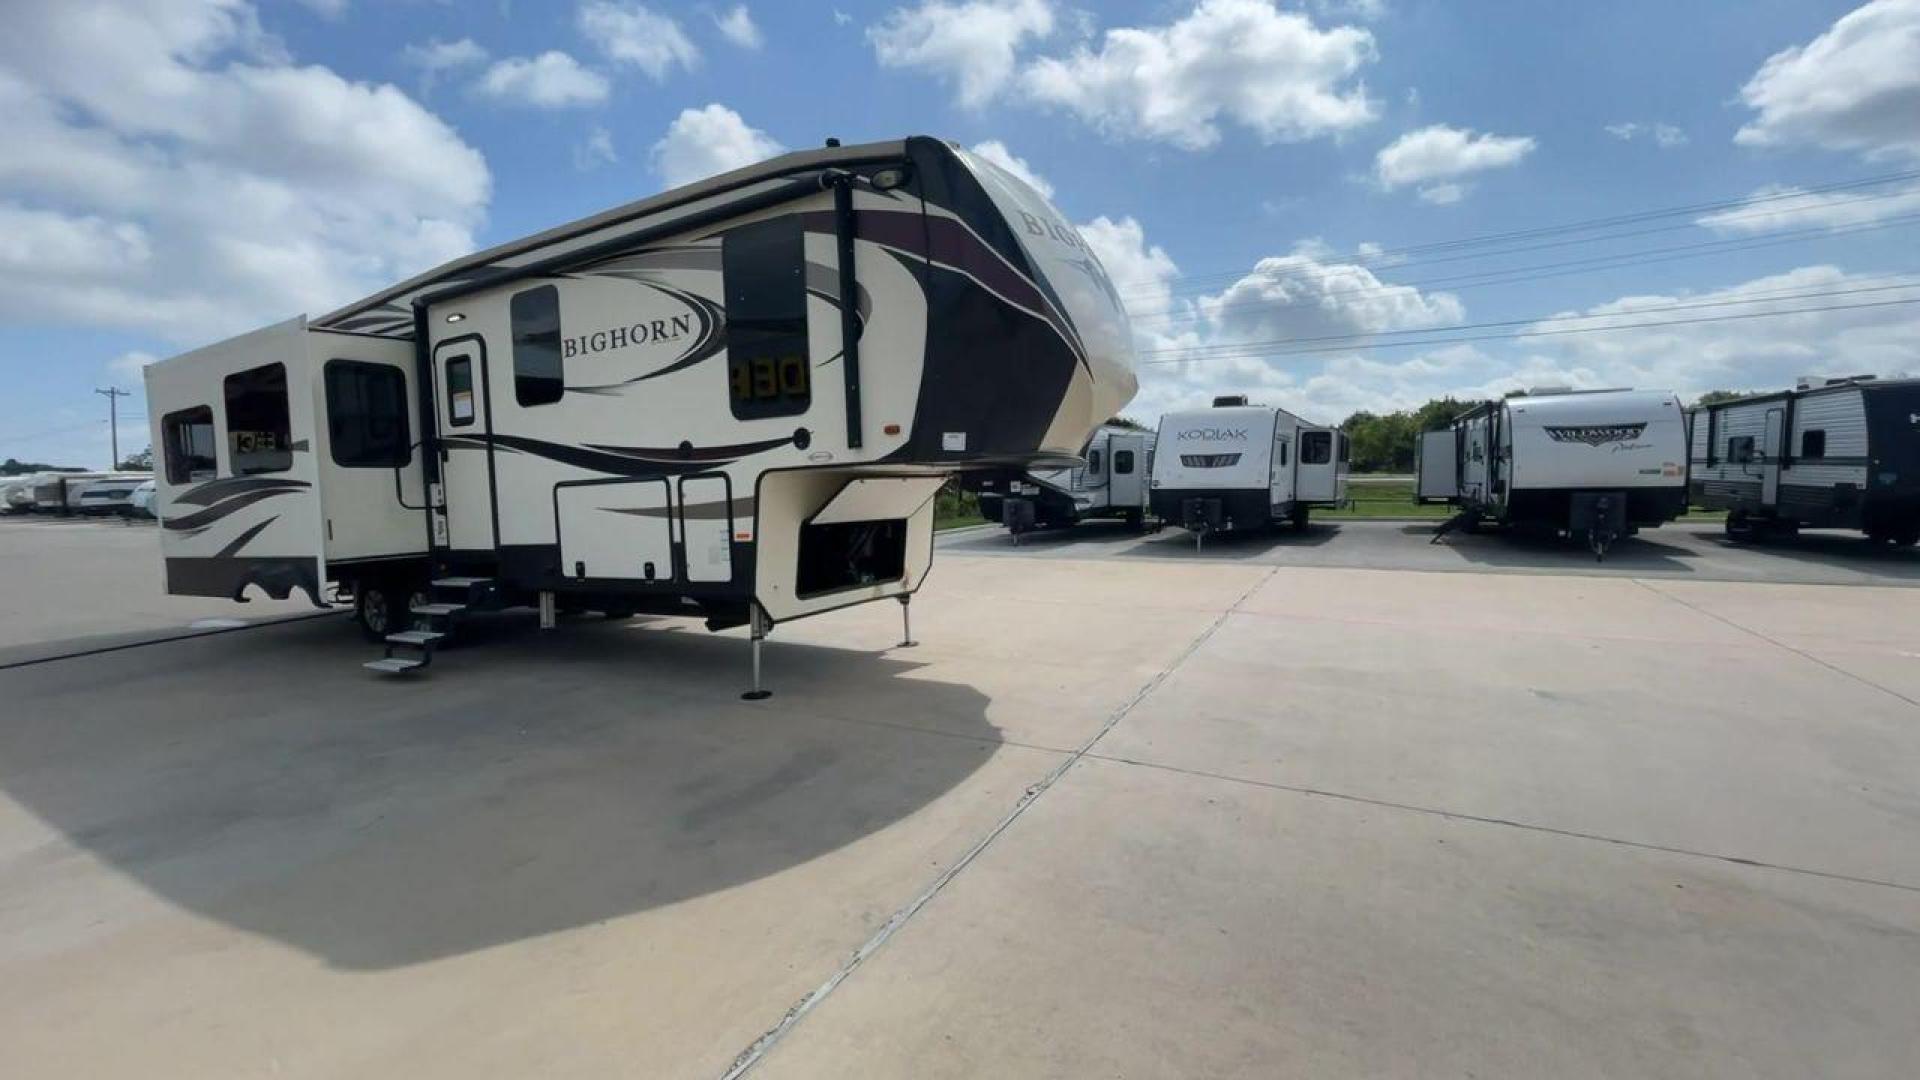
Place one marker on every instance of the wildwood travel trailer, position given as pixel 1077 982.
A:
pixel 1240 466
pixel 1595 464
pixel 735 399
pixel 1111 483
pixel 1834 454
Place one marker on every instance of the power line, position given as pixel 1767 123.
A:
pixel 1757 298
pixel 1589 225
pixel 1258 353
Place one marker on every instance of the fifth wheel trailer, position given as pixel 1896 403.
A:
pixel 1594 464
pixel 1110 482
pixel 1240 466
pixel 1831 454
pixel 735 399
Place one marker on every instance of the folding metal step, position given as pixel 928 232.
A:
pixel 438 609
pixel 393 665
pixel 419 638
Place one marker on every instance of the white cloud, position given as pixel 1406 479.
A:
pixel 996 151
pixel 1776 207
pixel 1855 87
pixel 1364 10
pixel 551 80
pixel 1665 136
pixel 436 58
pixel 210 185
pixel 1745 353
pixel 1271 71
pixel 1435 157
pixel 595 151
pixel 707 141
pixel 129 365
pixel 841 18
pixel 330 9
pixel 1308 295
pixel 636 34
pixel 973 43
pixel 736 25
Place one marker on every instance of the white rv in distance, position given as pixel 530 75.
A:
pixel 1110 482
pixel 1596 465
pixel 1241 466
pixel 1829 454
pixel 736 398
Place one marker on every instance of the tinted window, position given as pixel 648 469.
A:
pixel 1344 453
pixel 367 414
pixel 537 375
pixel 460 403
pixel 1093 461
pixel 1122 462
pixel 1813 443
pixel 768 373
pixel 1316 447
pixel 1740 448
pixel 1283 453
pixel 188 449
pixel 259 432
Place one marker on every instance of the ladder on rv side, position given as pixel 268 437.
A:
pixel 448 599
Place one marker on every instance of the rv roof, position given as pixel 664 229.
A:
pixel 798 161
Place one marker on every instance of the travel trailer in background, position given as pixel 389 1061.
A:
pixel 65 492
pixel 735 399
pixel 111 494
pixel 1240 466
pixel 1594 464
pixel 16 493
pixel 1830 454
pixel 1111 482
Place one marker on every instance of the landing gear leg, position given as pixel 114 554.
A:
pixel 546 610
pixel 906 623
pixel 757 620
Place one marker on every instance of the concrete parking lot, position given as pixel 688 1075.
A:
pixel 1116 815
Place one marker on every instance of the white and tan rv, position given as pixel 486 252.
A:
pixel 736 398
pixel 1241 466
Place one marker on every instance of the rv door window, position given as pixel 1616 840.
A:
pixel 459 391
pixel 367 415
pixel 1740 449
pixel 1123 463
pixel 1813 443
pixel 188 449
pixel 538 375
pixel 1316 447
pixel 1282 447
pixel 259 428
pixel 768 371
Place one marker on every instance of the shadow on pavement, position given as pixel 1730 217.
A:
pixel 1839 549
pixel 1175 542
pixel 526 785
pixel 1509 548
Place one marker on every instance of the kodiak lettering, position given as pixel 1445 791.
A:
pixel 620 337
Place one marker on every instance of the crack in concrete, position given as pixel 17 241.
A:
pixel 757 1051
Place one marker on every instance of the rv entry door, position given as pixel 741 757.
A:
pixel 1773 444
pixel 1126 471
pixel 463 512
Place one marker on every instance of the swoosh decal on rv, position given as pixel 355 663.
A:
pixel 215 513
pixel 238 542
pixel 214 490
pixel 596 460
pixel 710 511
pixel 692 453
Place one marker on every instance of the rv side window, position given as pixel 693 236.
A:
pixel 1282 447
pixel 259 431
pixel 1123 463
pixel 768 372
pixel 188 435
pixel 1740 449
pixel 1093 461
pixel 1813 443
pixel 367 415
pixel 459 391
pixel 1316 447
pixel 538 378
pixel 1345 453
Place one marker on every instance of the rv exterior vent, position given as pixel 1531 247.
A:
pixel 1225 400
pixel 1808 382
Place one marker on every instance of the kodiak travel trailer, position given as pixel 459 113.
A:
pixel 1828 454
pixel 1112 483
pixel 1596 465
pixel 1240 466
pixel 735 399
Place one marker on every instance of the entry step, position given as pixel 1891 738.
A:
pixel 414 637
pixel 460 582
pixel 438 609
pixel 393 665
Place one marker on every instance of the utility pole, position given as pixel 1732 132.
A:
pixel 113 418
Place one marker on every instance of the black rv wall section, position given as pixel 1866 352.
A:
pixel 992 372
pixel 1893 437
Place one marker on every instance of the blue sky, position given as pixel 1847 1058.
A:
pixel 176 171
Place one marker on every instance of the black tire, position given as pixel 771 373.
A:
pixel 1740 527
pixel 1136 520
pixel 1907 535
pixel 617 612
pixel 1299 516
pixel 375 609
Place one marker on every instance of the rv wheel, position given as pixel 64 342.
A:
pixel 1907 536
pixel 374 609
pixel 1136 520
pixel 1299 516
pixel 1740 527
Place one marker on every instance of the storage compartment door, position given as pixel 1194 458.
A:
pixel 618 531
pixel 706 527
pixel 1439 476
